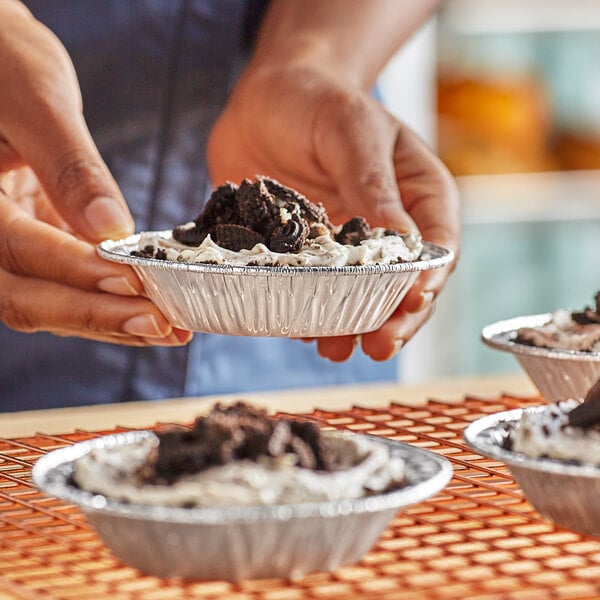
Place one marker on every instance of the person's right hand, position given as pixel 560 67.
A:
pixel 57 200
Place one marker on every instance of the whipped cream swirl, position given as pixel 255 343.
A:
pixel 322 251
pixel 361 468
pixel 548 434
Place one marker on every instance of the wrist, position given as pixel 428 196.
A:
pixel 351 40
pixel 309 53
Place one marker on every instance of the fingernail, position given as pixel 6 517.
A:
pixel 426 300
pixel 173 338
pixel 144 326
pixel 117 285
pixel 108 218
pixel 169 340
pixel 398 344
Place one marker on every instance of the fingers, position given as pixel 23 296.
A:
pixel 425 290
pixel 41 124
pixel 429 192
pixel 395 333
pixel 32 248
pixel 337 349
pixel 379 345
pixel 30 305
pixel 74 177
pixel 52 281
pixel 430 195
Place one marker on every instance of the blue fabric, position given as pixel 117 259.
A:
pixel 154 76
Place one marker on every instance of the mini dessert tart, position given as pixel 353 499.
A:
pixel 264 223
pixel 566 330
pixel 261 260
pixel 553 453
pixel 239 456
pixel 568 430
pixel 550 434
pixel 240 495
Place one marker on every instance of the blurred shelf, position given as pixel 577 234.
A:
pixel 530 197
pixel 515 16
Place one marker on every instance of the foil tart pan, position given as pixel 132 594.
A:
pixel 274 301
pixel 245 542
pixel 563 492
pixel 558 374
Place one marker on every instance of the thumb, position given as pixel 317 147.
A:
pixel 70 169
pixel 41 124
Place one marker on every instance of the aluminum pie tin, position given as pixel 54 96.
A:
pixel 235 543
pixel 558 374
pixel 274 301
pixel 563 492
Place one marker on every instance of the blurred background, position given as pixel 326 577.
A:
pixel 508 92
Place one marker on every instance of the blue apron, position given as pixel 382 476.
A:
pixel 154 76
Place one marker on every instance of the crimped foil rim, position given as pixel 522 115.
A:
pixel 52 474
pixel 433 257
pixel 482 436
pixel 500 336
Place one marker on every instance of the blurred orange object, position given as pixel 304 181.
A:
pixel 578 150
pixel 499 124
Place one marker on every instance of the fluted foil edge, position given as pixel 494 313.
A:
pixel 275 301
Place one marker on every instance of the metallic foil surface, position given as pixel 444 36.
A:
pixel 563 492
pixel 558 374
pixel 275 301
pixel 243 542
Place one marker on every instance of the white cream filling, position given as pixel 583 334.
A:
pixel 322 251
pixel 562 333
pixel 548 434
pixel 362 468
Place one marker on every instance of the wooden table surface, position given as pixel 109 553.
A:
pixel 183 410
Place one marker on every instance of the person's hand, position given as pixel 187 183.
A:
pixel 57 199
pixel 337 145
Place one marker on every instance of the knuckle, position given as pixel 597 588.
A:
pixel 91 317
pixel 377 181
pixel 76 173
pixel 61 268
pixel 9 255
pixel 14 317
pixel 89 321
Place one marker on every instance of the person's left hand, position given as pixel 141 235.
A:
pixel 53 280
pixel 337 145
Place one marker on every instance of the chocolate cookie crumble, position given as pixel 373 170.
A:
pixel 588 315
pixel 266 212
pixel 150 251
pixel 577 330
pixel 231 433
pixel 353 232
pixel 262 211
pixel 587 414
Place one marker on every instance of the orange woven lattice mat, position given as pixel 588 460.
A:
pixel 477 539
